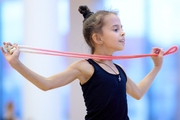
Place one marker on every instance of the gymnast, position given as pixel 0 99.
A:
pixel 104 84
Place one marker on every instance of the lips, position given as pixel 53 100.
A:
pixel 122 40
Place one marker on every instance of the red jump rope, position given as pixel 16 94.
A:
pixel 28 49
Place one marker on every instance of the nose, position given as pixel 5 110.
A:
pixel 122 33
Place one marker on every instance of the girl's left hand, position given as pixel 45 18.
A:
pixel 158 60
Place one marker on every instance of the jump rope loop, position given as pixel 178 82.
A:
pixel 28 49
pixel 171 50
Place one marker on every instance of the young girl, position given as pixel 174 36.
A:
pixel 104 83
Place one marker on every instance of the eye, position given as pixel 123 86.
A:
pixel 116 30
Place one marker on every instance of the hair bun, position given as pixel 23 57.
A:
pixel 85 11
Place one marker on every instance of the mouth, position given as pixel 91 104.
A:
pixel 122 40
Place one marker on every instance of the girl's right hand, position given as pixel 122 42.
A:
pixel 11 57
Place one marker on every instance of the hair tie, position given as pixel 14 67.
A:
pixel 86 15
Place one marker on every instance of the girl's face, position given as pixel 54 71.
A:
pixel 112 34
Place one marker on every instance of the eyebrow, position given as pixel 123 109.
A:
pixel 117 26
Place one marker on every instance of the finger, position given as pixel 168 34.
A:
pixel 12 50
pixel 5 47
pixel 8 47
pixel 15 44
pixel 2 49
pixel 15 47
pixel 5 44
pixel 156 50
pixel 161 52
pixel 9 44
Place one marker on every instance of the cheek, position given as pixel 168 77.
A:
pixel 110 38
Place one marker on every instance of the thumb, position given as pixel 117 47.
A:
pixel 161 52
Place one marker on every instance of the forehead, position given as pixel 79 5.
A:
pixel 111 20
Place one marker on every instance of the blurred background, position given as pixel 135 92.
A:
pixel 57 24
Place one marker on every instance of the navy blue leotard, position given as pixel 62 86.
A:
pixel 105 95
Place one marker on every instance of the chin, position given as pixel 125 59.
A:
pixel 121 48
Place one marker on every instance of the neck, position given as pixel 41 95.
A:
pixel 105 54
pixel 108 62
pixel 103 51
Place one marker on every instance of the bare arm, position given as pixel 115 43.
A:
pixel 137 91
pixel 58 80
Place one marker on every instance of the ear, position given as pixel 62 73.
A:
pixel 96 39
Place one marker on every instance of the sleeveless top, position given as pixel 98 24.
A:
pixel 104 95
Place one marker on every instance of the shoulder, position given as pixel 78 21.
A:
pixel 85 70
pixel 120 66
pixel 80 64
pixel 83 66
